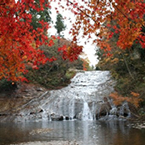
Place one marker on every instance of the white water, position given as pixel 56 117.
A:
pixel 44 115
pixel 72 109
pixel 86 114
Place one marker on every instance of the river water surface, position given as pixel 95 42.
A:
pixel 84 132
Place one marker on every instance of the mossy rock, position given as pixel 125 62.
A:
pixel 70 74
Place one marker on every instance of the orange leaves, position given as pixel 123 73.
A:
pixel 127 37
pixel 124 24
pixel 134 94
pixel 70 52
pixel 115 60
pixel 93 1
pixel 8 3
pixel 73 51
pixel 133 98
pixel 130 25
pixel 122 19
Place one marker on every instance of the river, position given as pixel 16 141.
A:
pixel 83 132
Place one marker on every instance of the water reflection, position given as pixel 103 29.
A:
pixel 85 132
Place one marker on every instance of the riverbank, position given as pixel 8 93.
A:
pixel 138 123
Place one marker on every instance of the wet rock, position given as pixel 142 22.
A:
pixel 137 124
pixel 105 108
pixel 56 117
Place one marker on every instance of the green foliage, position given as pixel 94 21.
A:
pixel 59 24
pixel 49 79
pixel 53 75
pixel 40 15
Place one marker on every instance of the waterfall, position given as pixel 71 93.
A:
pixel 44 115
pixel 93 110
pixel 82 99
pixel 85 98
pixel 72 109
pixel 86 114
pixel 113 110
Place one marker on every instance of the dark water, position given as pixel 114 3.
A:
pixel 87 132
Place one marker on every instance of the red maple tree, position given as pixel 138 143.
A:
pixel 18 41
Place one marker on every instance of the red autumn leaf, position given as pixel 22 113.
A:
pixel 51 43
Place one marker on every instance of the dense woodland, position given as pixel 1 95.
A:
pixel 117 28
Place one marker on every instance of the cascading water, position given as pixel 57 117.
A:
pixel 124 110
pixel 71 108
pixel 86 114
pixel 44 115
pixel 82 99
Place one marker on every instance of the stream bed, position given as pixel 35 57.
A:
pixel 81 132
